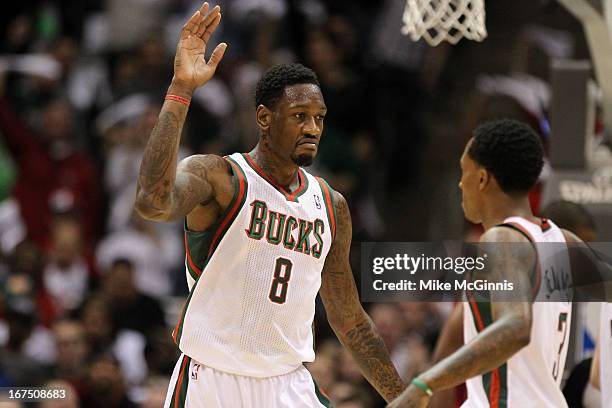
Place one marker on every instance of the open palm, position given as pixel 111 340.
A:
pixel 190 65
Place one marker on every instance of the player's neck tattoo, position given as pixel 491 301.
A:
pixel 284 175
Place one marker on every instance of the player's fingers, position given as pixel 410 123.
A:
pixel 211 28
pixel 216 55
pixel 204 8
pixel 210 18
pixel 191 25
pixel 201 29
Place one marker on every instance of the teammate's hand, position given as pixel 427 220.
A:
pixel 412 397
pixel 190 67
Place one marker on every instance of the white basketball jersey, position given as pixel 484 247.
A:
pixel 254 275
pixel 532 377
pixel 605 355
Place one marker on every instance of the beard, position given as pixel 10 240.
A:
pixel 302 160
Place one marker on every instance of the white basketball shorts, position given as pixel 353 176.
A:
pixel 194 385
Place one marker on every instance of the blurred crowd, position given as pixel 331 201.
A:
pixel 89 291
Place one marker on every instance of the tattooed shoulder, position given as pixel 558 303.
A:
pixel 203 165
pixel 344 230
pixel 340 202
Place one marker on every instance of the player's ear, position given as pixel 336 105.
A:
pixel 484 178
pixel 263 116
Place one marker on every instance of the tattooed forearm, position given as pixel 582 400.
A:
pixel 158 167
pixel 159 161
pixel 490 349
pixel 371 355
pixel 164 194
pixel 511 327
pixel 346 316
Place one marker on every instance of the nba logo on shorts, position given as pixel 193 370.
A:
pixel 194 371
pixel 317 201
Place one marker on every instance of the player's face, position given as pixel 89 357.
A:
pixel 469 185
pixel 297 124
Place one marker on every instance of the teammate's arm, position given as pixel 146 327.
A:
pixel 347 318
pixel 509 332
pixel 165 192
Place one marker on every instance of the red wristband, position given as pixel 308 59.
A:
pixel 178 99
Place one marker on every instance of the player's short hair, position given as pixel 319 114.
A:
pixel 568 215
pixel 511 151
pixel 273 83
pixel 122 262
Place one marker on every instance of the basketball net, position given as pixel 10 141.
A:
pixel 444 20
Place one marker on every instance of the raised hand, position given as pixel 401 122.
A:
pixel 191 69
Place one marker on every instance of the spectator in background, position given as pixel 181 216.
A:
pixel 391 326
pixel 403 335
pixel 96 317
pixel 347 124
pixel 72 352
pixel 104 386
pixel 124 76
pixel 134 316
pixel 130 309
pixel 115 320
pixel 160 353
pixel 344 94
pixel 66 275
pixel 402 69
pixel 155 65
pixel 23 286
pixel 53 173
pixel 23 293
pixel 17 28
pixel 348 370
pixel 85 79
pixel 152 251
pixel 16 369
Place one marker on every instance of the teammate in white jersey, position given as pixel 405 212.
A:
pixel 515 351
pixel 262 238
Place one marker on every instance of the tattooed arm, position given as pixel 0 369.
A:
pixel 165 192
pixel 347 318
pixel 509 332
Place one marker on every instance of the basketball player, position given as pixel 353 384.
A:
pixel 262 237
pixel 514 352
pixel 575 218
